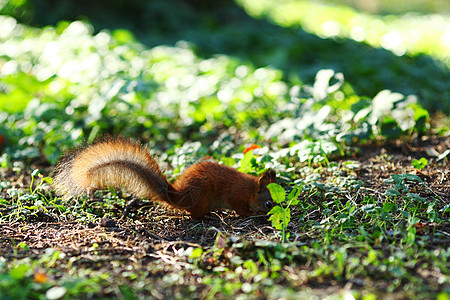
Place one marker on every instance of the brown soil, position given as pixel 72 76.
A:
pixel 151 237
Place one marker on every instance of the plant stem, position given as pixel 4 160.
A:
pixel 284 226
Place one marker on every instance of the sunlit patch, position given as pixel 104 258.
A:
pixel 358 33
pixel 330 28
pixel 393 41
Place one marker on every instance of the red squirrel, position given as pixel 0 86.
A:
pixel 126 164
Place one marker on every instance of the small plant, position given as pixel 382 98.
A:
pixel 419 164
pixel 34 174
pixel 400 187
pixel 281 213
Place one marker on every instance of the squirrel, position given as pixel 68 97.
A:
pixel 126 164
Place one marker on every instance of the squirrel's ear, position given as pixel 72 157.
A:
pixel 267 177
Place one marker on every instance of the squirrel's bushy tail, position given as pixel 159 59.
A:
pixel 111 163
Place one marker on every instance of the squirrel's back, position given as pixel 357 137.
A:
pixel 119 163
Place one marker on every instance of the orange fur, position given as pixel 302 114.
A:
pixel 203 187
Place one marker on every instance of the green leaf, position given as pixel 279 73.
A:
pixel 398 178
pixel 23 246
pixel 420 117
pixel 19 271
pixel 443 296
pixel 390 129
pixel 294 194
pixel 420 164
pixel 414 196
pixel 49 180
pixel 246 162
pixel 123 36
pixel 405 213
pixel 15 101
pixel 413 177
pixel 392 193
pixel 196 253
pixel 388 206
pixel 277 217
pixel 277 192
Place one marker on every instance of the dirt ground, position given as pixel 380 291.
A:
pixel 156 233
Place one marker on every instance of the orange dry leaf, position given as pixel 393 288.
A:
pixel 252 147
pixel 40 277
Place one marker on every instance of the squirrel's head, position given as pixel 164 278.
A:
pixel 264 202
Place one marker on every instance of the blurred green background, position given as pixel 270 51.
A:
pixel 171 71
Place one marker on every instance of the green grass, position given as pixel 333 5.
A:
pixel 342 232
